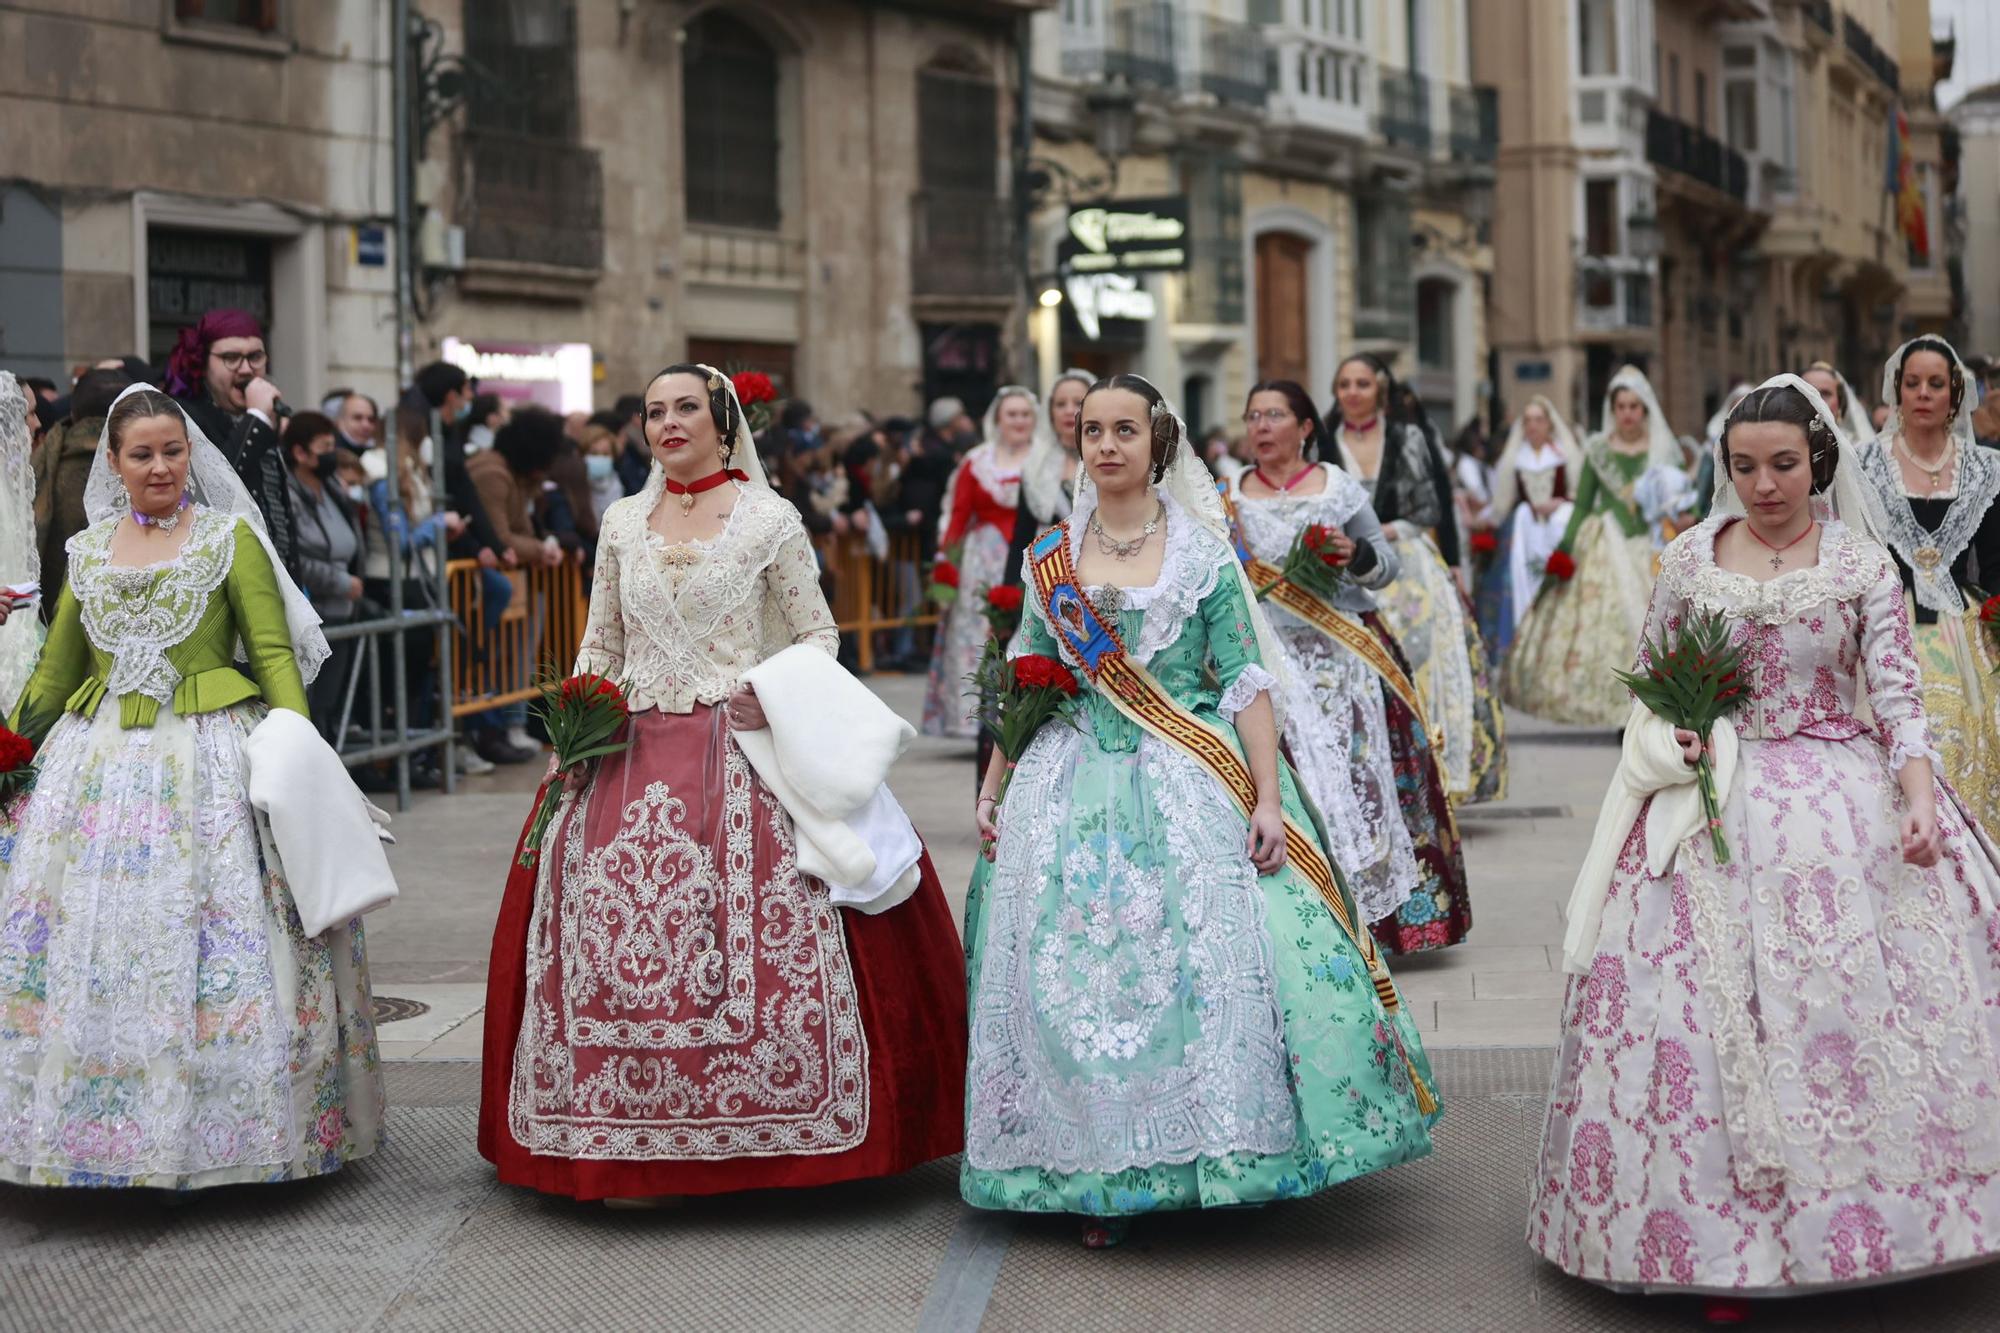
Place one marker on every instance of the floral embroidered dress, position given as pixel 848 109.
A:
pixel 164 1021
pixel 978 521
pixel 1154 1026
pixel 1947 546
pixel 1530 475
pixel 1432 620
pixel 672 1006
pixel 1780 1072
pixel 1575 634
pixel 1364 761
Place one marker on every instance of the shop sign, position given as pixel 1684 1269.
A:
pixel 1128 236
pixel 556 375
pixel 1097 297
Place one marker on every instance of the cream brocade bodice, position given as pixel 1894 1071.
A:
pixel 678 625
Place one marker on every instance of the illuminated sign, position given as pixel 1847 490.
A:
pixel 562 372
pixel 1096 297
pixel 1127 236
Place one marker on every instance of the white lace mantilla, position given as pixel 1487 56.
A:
pixel 137 614
pixel 679 625
pixel 1931 555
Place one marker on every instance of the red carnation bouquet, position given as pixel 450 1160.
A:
pixel 944 577
pixel 1561 566
pixel 1691 683
pixel 583 716
pixel 17 764
pixel 1989 616
pixel 1312 563
pixel 1003 610
pixel 1484 542
pixel 756 392
pixel 1016 697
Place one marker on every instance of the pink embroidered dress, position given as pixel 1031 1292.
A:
pixel 1779 1073
pixel 673 1007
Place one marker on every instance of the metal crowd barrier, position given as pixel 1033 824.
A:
pixel 872 597
pixel 538 631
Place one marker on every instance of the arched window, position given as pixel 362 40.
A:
pixel 729 106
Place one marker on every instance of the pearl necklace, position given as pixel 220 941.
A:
pixel 1945 460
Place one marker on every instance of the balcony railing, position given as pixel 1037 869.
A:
pixel 1232 62
pixel 1821 13
pixel 1403 108
pixel 961 244
pixel 1613 293
pixel 1139 45
pixel 1679 146
pixel 531 201
pixel 1879 62
pixel 1475 124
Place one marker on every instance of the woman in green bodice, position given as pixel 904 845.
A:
pixel 164 1020
pixel 1584 623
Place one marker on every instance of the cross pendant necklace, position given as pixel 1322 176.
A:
pixel 1778 552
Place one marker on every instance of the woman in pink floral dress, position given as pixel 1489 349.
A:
pixel 1777 1073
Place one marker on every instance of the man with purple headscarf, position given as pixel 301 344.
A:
pixel 217 372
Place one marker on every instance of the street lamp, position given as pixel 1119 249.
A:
pixel 1114 117
pixel 1114 114
pixel 1642 236
pixel 1051 298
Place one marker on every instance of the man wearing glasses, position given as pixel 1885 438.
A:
pixel 217 370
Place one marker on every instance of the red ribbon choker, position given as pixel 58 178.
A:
pixel 707 483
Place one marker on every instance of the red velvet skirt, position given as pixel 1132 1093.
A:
pixel 672 1007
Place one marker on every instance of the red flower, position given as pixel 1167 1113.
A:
pixel 1004 597
pixel 1318 539
pixel 1989 610
pixel 1560 566
pixel 579 689
pixel 1035 672
pixel 1484 543
pixel 16 751
pixel 946 573
pixel 753 387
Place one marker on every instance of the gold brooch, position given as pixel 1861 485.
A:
pixel 1928 557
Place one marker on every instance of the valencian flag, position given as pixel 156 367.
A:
pixel 1901 181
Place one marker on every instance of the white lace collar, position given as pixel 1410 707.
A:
pixel 1849 565
pixel 1341 499
pixel 1001 484
pixel 1931 555
pixel 1190 566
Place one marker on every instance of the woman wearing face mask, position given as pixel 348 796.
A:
pixel 329 560
pixel 600 464
pixel 1533 485
pixel 1352 720
pixel 167 1022
pixel 1579 630
pixel 1174 1003
pixel 675 1006
pixel 1410 487
pixel 973 532
pixel 1777 1070
pixel 1942 494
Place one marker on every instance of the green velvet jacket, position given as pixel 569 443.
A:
pixel 165 632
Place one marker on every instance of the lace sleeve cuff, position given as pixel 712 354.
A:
pixel 1243 691
pixel 1909 740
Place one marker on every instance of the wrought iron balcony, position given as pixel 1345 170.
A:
pixel 525 200
pixel 1679 146
pixel 1879 62
pixel 1403 108
pixel 961 244
pixel 1232 62
pixel 1475 124
pixel 1138 45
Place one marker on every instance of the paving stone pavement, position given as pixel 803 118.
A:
pixel 421 1236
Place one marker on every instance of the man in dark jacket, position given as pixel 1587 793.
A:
pixel 62 461
pixel 217 371
pixel 635 460
pixel 448 390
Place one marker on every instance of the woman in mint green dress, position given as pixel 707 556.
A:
pixel 1165 1012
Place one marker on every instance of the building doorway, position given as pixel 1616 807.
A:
pixel 1284 346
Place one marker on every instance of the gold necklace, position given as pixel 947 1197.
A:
pixel 1945 460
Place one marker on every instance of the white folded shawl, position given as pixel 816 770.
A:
pixel 324 828
pixel 826 754
pixel 1651 766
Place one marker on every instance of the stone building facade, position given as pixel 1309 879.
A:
pixel 818 188
pixel 1721 165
